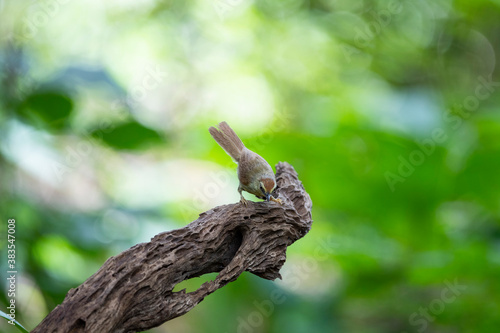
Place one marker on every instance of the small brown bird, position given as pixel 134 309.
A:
pixel 255 174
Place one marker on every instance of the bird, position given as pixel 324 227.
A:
pixel 254 173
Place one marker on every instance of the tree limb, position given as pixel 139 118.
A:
pixel 133 291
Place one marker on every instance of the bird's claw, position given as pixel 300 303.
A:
pixel 244 201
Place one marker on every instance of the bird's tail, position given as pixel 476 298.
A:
pixel 228 140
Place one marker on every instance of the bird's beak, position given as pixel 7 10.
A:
pixel 268 196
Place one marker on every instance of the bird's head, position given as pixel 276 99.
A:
pixel 267 186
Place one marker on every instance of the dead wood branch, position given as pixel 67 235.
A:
pixel 133 291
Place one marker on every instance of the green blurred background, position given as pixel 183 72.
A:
pixel 388 110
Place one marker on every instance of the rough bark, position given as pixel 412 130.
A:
pixel 133 291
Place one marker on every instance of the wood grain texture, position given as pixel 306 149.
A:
pixel 133 291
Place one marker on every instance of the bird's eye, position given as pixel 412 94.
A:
pixel 262 189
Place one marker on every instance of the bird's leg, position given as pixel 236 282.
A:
pixel 242 199
pixel 276 200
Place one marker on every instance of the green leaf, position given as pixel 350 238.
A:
pixel 128 136
pixel 16 323
pixel 50 109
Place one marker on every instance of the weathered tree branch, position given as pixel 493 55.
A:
pixel 133 291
